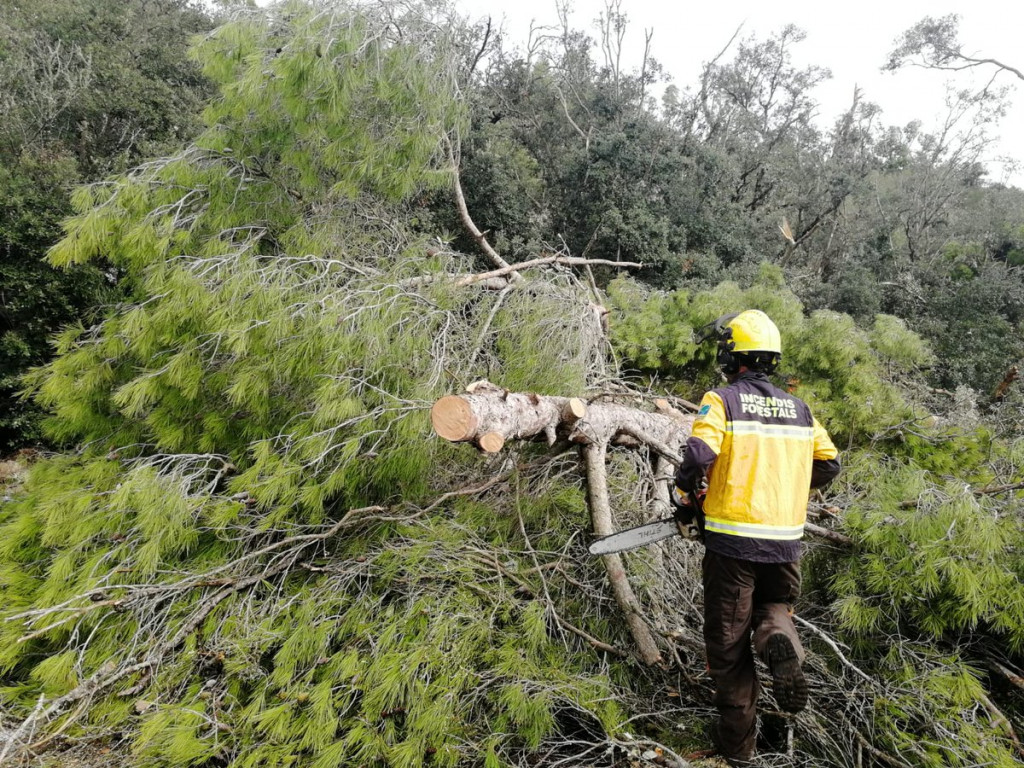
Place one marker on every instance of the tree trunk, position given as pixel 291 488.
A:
pixel 488 415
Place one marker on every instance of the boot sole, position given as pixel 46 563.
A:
pixel 790 685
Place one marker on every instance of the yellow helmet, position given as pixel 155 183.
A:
pixel 753 331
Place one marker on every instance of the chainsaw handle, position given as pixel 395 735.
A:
pixel 690 517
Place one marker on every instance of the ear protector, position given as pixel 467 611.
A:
pixel 730 363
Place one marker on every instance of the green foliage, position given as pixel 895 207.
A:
pixel 974 319
pixel 566 151
pixel 930 716
pixel 35 298
pixel 909 574
pixel 107 82
pixel 272 370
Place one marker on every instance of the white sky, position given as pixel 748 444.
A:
pixel 850 38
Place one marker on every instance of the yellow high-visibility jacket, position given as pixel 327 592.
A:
pixel 762 451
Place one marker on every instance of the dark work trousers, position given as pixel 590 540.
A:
pixel 741 597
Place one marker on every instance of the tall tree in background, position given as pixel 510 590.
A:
pixel 938 209
pixel 934 43
pixel 565 153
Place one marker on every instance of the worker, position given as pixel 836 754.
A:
pixel 759 451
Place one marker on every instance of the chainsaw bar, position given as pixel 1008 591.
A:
pixel 634 538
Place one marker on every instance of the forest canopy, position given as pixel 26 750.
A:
pixel 241 543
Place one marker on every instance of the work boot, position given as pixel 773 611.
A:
pixel 790 685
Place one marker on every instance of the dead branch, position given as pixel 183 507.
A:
pixel 1000 720
pixel 483 49
pixel 489 284
pixel 601 514
pixel 664 406
pixel 576 261
pixel 486 327
pixel 991 490
pixel 1013 678
pixel 467 220
pixel 835 647
pixel 831 535
pixel 591 640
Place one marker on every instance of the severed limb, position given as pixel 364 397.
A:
pixel 601 514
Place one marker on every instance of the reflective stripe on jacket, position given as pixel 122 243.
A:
pixel 761 444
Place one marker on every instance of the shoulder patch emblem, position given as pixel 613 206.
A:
pixel 704 411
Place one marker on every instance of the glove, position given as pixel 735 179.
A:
pixel 690 530
pixel 688 517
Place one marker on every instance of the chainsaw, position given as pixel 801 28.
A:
pixel 690 526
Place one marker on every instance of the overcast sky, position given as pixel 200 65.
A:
pixel 850 38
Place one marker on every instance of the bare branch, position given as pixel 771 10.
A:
pixel 601 513
pixel 467 220
pixel 575 261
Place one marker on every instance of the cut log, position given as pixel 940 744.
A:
pixel 489 416
pixel 453 419
pixel 574 410
pixel 492 442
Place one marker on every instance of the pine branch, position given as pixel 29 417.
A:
pixel 110 674
pixel 835 647
pixel 467 220
pixel 593 641
pixel 990 490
